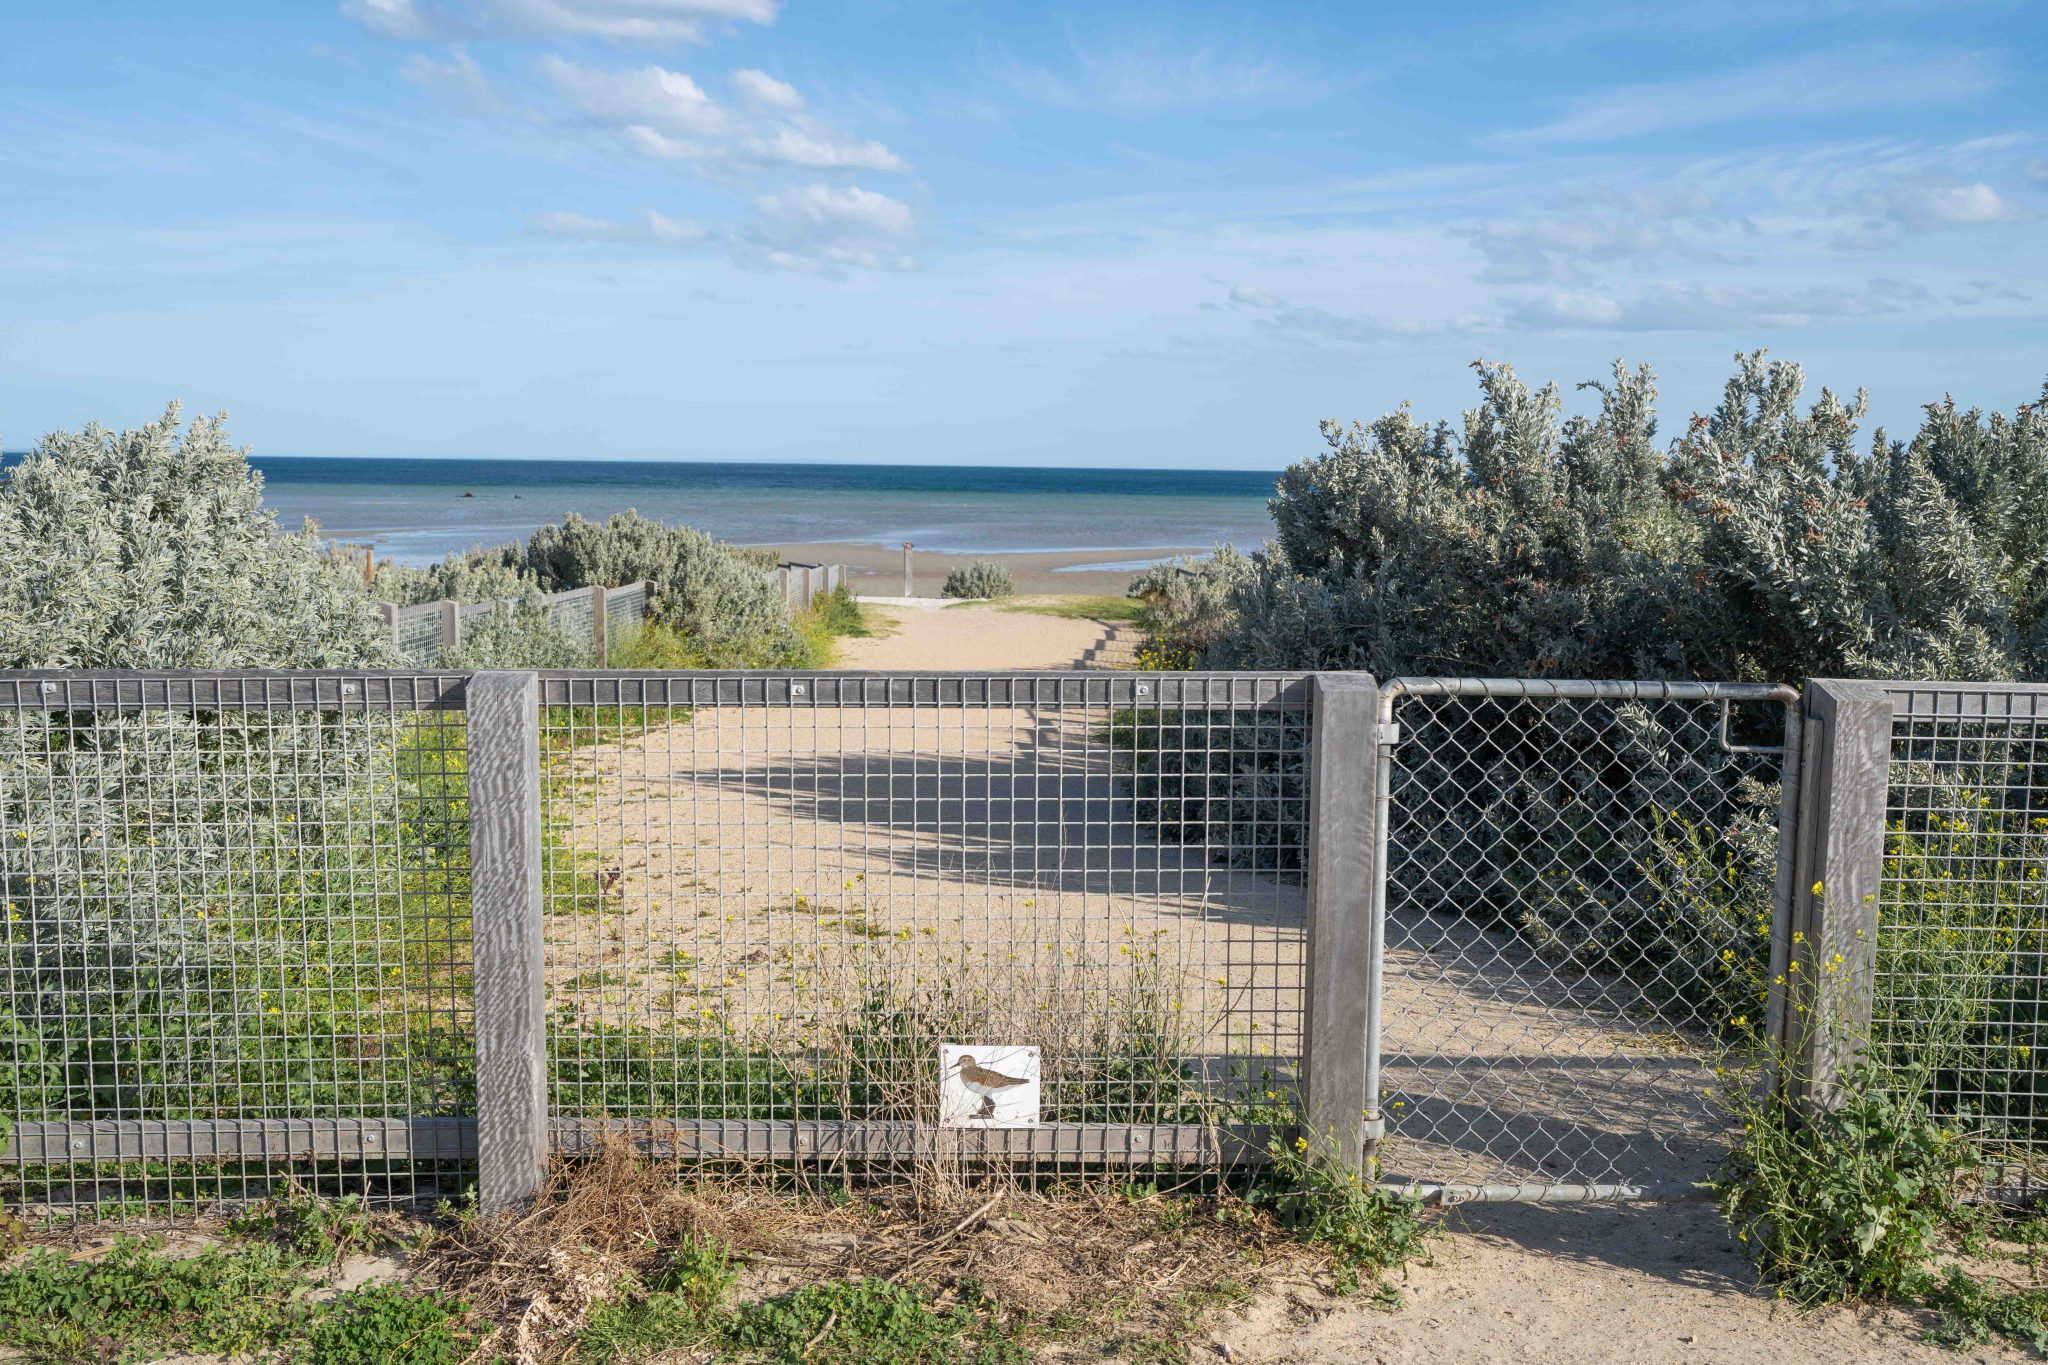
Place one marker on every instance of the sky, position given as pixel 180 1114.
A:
pixel 1163 235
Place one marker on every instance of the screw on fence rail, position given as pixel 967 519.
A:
pixel 505 912
pixel 1825 967
pixel 1341 1104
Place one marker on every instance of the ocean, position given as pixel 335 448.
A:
pixel 416 511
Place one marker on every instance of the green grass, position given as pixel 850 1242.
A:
pixel 1071 606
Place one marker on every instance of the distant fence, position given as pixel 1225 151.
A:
pixel 427 633
pixel 803 584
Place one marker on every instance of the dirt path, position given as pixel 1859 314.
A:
pixel 972 637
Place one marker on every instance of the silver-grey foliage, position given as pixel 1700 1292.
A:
pixel 152 548
pixel 981 578
pixel 1769 540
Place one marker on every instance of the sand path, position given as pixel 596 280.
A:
pixel 975 637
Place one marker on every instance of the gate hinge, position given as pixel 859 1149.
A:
pixel 1372 1130
pixel 1390 733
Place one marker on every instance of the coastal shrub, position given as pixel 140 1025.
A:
pixel 719 598
pixel 152 548
pixel 1765 541
pixel 520 634
pixel 979 579
pixel 198 907
pixel 479 576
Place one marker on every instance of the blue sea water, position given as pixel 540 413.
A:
pixel 416 511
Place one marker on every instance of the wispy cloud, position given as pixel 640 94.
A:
pixel 632 21
pixel 459 78
pixel 1816 85
pixel 650 228
pixel 1156 71
pixel 1923 206
pixel 1704 307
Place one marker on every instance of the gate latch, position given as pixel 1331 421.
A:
pixel 1390 733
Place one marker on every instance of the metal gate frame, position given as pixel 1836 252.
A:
pixel 1387 737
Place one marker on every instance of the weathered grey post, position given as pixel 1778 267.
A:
pixel 451 625
pixel 1823 963
pixel 389 611
pixel 505 918
pixel 907 548
pixel 600 636
pixel 1340 1106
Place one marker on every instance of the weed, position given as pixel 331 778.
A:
pixel 853 1323
pixel 387 1325
pixel 136 1299
pixel 1967 1313
pixel 1369 1231
pixel 313 1231
pixel 681 1304
pixel 1846 1204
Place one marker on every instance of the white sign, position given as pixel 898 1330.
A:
pixel 988 1086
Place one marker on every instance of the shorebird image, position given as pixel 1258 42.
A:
pixel 985 1083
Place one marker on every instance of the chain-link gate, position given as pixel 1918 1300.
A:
pixel 1581 894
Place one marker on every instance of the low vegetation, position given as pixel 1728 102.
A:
pixel 983 578
pixel 625 1259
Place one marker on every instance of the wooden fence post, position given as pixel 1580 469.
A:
pixel 1821 1017
pixel 600 635
pixel 1343 953
pixel 505 918
pixel 451 625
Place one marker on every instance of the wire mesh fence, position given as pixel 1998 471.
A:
pixel 1053 920
pixel 1962 920
pixel 773 905
pixel 235 940
pixel 1581 884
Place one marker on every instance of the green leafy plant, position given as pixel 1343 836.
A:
pixel 1849 1202
pixel 1369 1231
pixel 681 1304
pixel 853 1323
pixel 388 1325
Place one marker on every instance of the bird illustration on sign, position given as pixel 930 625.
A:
pixel 988 1086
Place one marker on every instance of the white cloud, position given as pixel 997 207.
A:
pixel 821 149
pixel 763 90
pixel 459 77
pixel 1810 86
pixel 392 18
pixel 649 96
pixel 1926 206
pixel 2037 172
pixel 835 210
pixel 1245 296
pixel 650 228
pixel 633 21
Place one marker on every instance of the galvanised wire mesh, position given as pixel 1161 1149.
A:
pixel 417 634
pixel 1581 885
pixel 625 609
pixel 1962 934
pixel 235 940
pixel 572 612
pixel 770 901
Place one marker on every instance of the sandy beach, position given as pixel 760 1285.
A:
pixel 875 570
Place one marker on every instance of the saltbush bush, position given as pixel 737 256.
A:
pixel 1767 541
pixel 979 579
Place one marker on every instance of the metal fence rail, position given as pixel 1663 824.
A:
pixel 1580 885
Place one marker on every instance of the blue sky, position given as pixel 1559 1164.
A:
pixel 1165 235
